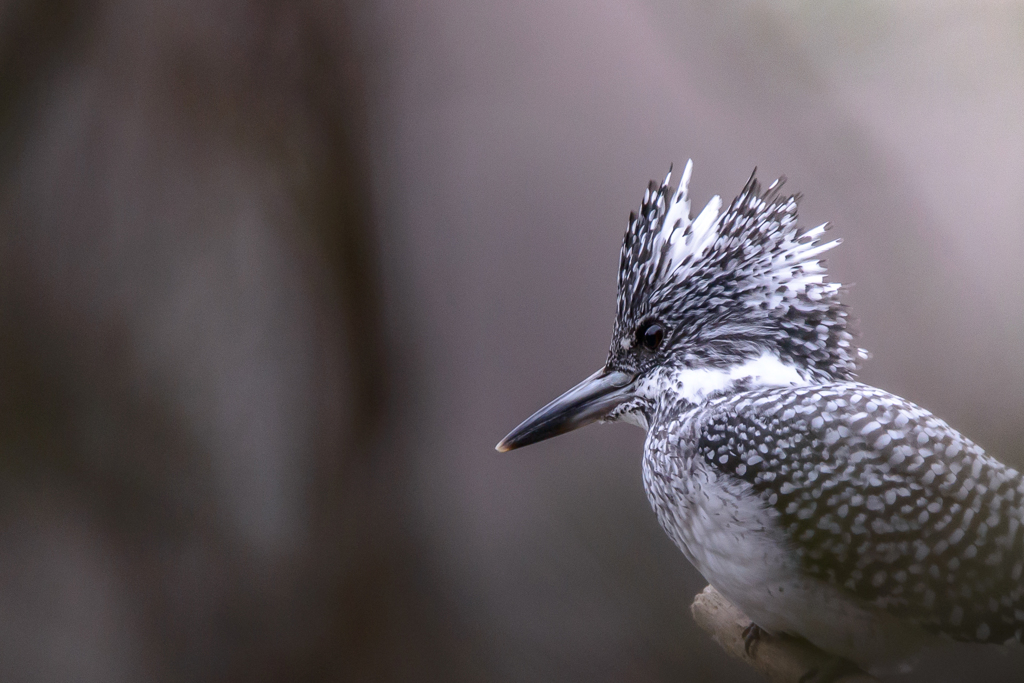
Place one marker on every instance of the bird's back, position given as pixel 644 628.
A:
pixel 884 504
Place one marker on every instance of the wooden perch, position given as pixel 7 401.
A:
pixel 777 658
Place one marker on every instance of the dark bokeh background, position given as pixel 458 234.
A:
pixel 276 275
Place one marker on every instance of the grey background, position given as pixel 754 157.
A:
pixel 276 276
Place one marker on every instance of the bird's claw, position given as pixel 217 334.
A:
pixel 751 634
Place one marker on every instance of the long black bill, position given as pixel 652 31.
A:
pixel 587 402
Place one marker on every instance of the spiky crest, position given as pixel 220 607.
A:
pixel 731 286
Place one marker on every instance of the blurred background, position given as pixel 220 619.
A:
pixel 276 275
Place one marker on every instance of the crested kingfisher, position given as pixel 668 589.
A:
pixel 821 507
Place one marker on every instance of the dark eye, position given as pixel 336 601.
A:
pixel 649 335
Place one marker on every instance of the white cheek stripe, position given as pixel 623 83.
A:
pixel 696 384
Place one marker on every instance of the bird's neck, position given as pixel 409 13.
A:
pixel 670 390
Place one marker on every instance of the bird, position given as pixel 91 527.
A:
pixel 823 508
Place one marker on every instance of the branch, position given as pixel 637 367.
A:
pixel 778 658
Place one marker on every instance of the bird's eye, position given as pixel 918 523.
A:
pixel 649 335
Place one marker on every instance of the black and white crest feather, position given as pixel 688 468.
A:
pixel 733 285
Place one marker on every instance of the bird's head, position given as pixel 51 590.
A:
pixel 709 305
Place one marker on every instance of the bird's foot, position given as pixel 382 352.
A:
pixel 830 671
pixel 751 634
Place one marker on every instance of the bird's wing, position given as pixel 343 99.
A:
pixel 883 499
